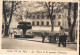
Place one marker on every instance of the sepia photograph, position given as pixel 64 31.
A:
pixel 39 25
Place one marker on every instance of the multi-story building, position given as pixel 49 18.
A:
pixel 41 21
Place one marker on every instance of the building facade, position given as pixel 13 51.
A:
pixel 40 19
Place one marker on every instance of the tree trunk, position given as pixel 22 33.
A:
pixel 5 19
pixel 69 21
pixel 72 35
pixel 6 30
pixel 24 33
pixel 11 14
pixel 51 25
pixel 4 13
pixel 71 26
pixel 70 38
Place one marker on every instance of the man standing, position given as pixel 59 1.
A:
pixel 49 38
pixel 43 37
pixel 62 38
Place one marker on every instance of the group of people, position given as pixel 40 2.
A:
pixel 62 37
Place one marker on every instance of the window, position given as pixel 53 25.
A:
pixel 47 22
pixel 33 23
pixel 37 23
pixel 30 15
pixel 42 23
pixel 33 17
pixel 42 16
pixel 59 23
pixel 37 16
pixel 59 16
pixel 65 23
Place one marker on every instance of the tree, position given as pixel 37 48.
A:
pixel 22 10
pixel 71 25
pixel 50 13
pixel 7 13
pixel 52 7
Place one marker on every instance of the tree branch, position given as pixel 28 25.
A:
pixel 14 5
pixel 11 13
pixel 52 9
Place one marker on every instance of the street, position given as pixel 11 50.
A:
pixel 30 44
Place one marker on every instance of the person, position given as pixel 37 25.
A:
pixel 62 37
pixel 43 37
pixel 49 38
pixel 11 33
pixel 54 37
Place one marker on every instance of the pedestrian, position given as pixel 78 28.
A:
pixel 61 38
pixel 43 37
pixel 49 38
pixel 64 39
pixel 11 33
pixel 54 37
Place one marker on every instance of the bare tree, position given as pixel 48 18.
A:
pixel 51 7
pixel 71 25
pixel 10 13
pixel 22 11
pixel 50 13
